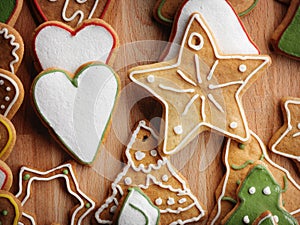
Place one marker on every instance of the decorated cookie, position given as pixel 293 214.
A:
pixel 259 192
pixel 6 176
pixel 226 36
pixel 266 218
pixel 286 140
pixel 57 45
pixel 77 107
pixel 69 12
pixel 165 10
pixel 9 11
pixel 10 209
pixel 11 48
pixel 149 170
pixel 8 137
pixel 201 89
pixel 285 39
pixel 11 93
pixel 65 172
pixel 239 159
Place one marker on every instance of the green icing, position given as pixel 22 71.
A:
pixel 289 41
pixel 249 9
pixel 6 9
pixel 145 216
pixel 229 199
pixel 160 16
pixel 285 181
pixel 235 167
pixel 253 205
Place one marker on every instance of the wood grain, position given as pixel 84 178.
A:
pixel 132 19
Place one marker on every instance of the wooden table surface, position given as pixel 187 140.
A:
pixel 132 20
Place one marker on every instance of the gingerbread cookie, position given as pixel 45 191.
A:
pixel 57 45
pixel 69 12
pixel 8 137
pixel 286 140
pixel 239 159
pixel 149 170
pixel 12 48
pixel 28 176
pixel 266 218
pixel 10 10
pixel 6 176
pixel 285 39
pixel 165 10
pixel 11 93
pixel 201 89
pixel 77 107
pixel 259 192
pixel 10 209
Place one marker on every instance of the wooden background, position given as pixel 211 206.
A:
pixel 132 19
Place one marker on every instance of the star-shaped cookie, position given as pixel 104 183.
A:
pixel 201 89
pixel 286 140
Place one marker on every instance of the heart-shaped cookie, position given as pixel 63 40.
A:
pixel 7 137
pixel 77 109
pixel 11 48
pixel 5 176
pixel 10 10
pixel 69 12
pixel 60 46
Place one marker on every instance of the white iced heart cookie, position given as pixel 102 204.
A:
pixel 77 109
pixel 57 45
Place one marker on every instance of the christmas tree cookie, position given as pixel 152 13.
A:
pixel 259 192
pixel 149 170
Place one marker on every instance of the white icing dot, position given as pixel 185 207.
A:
pixel 8 89
pixel 165 178
pixel 276 218
pixel 158 201
pixel 267 190
pixel 252 190
pixel 153 153
pixel 171 201
pixel 113 209
pixel 1 82
pixel 242 68
pixel 178 129
pixel 2 106
pixel 233 125
pixel 199 41
pixel 246 220
pixel 150 78
pixel 127 181
pixel 139 155
pixel 298 126
pixel 6 98
pixel 182 200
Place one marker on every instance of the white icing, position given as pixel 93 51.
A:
pixel 158 201
pixel 269 216
pixel 197 65
pixel 6 98
pixel 212 70
pixel 252 190
pixel 150 179
pixel 171 201
pixel 73 112
pixel 4 31
pixel 298 126
pixel 276 218
pixel 189 104
pixel 223 22
pixel 2 106
pixel 129 214
pixel 267 158
pixel 150 78
pixel 17 93
pixel 199 37
pixel 287 131
pixel 233 125
pixel 188 135
pixel 8 89
pixel 56 47
pixel 178 130
pixel 267 190
pixel 165 178
pixel 153 153
pixel 128 181
pixel 74 190
pixel 183 76
pixel 113 209
pixel 242 68
pixel 139 155
pixel 182 200
pixel 246 219
pixel 2 179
